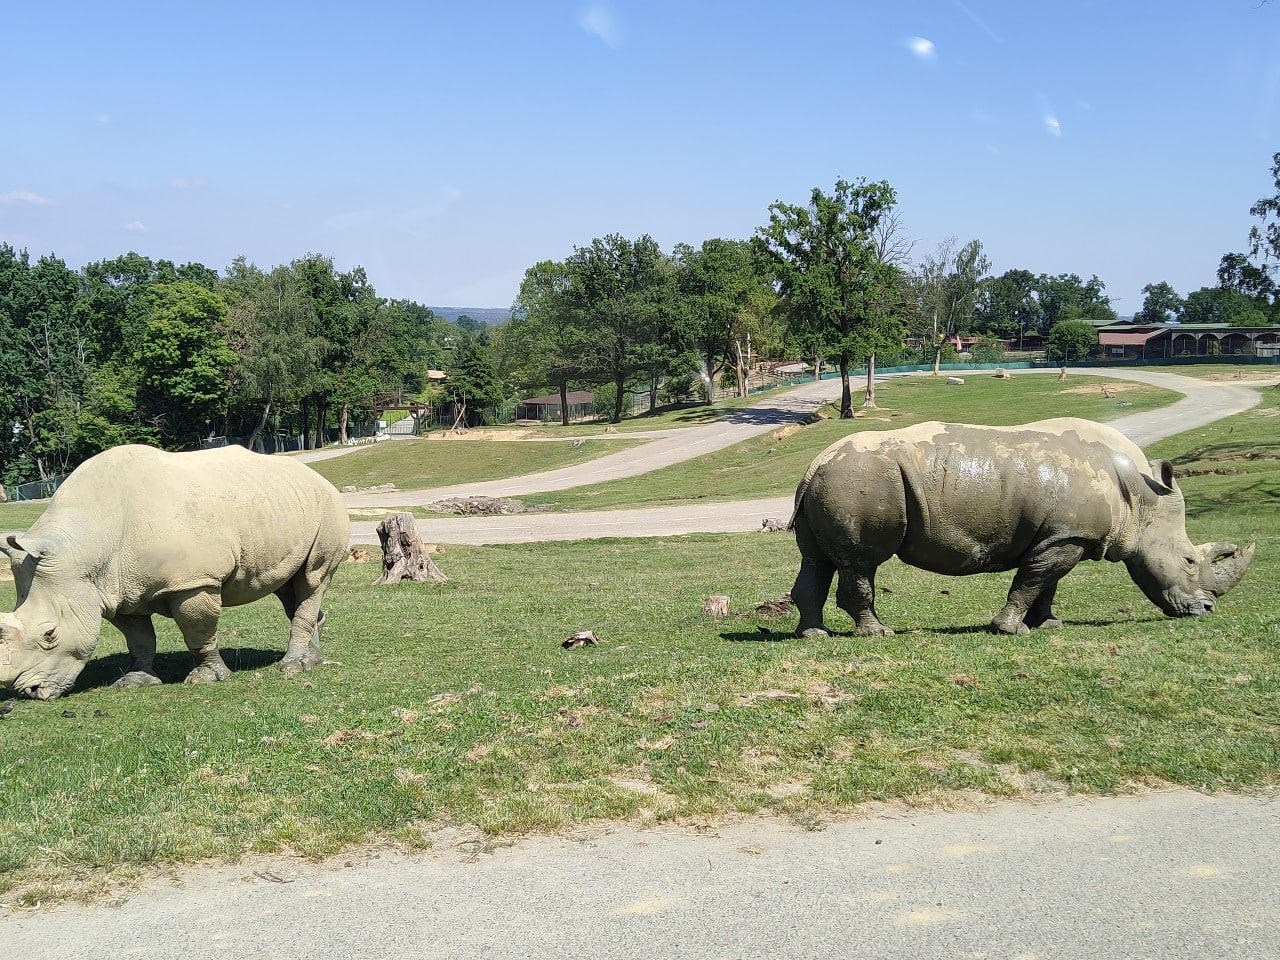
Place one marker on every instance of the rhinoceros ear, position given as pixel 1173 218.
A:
pixel 1163 473
pixel 15 550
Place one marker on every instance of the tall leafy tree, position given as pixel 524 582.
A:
pixel 473 384
pixel 45 361
pixel 268 321
pixel 543 343
pixel 728 301
pixel 1160 304
pixel 183 358
pixel 617 290
pixel 1071 340
pixel 950 281
pixel 1008 307
pixel 1253 273
pixel 1067 297
pixel 836 289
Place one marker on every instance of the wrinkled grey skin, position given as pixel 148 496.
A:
pixel 1036 499
pixel 136 531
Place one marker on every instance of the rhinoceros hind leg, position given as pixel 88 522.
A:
pixel 302 606
pixel 813 583
pixel 856 596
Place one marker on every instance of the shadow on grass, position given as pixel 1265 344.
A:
pixel 171 667
pixel 759 635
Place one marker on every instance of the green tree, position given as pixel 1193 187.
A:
pixel 183 358
pixel 949 284
pixel 542 343
pixel 1071 340
pixel 1067 297
pixel 1222 305
pixel 1008 307
pixel 46 353
pixel 838 292
pixel 619 290
pixel 1254 273
pixel 728 301
pixel 1160 304
pixel 473 385
pixel 268 321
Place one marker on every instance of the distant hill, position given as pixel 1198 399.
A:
pixel 489 316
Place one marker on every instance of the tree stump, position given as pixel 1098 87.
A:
pixel 403 556
pixel 716 606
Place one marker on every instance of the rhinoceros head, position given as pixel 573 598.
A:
pixel 1164 563
pixel 46 641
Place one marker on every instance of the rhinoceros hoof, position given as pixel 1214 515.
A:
pixel 136 678
pixel 1016 629
pixel 294 666
pixel 208 673
pixel 813 633
pixel 876 630
pixel 1050 623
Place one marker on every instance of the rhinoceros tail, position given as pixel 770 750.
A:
pixel 817 463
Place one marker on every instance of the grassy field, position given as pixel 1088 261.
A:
pixel 772 464
pixel 455 705
pixel 417 464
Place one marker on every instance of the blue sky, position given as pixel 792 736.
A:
pixel 448 147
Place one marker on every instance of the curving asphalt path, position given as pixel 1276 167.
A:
pixel 1203 402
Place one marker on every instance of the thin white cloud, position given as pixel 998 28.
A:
pixel 978 22
pixel 25 196
pixel 102 118
pixel 922 48
pixel 599 21
pixel 1052 125
pixel 137 226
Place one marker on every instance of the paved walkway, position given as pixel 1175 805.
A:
pixel 1169 875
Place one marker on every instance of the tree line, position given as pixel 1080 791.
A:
pixel 135 350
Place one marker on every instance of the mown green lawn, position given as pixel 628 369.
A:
pixel 455 704
pixel 418 464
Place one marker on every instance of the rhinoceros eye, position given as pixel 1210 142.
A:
pixel 49 638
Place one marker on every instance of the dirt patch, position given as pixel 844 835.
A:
pixel 1118 387
pixel 484 435
pixel 1241 375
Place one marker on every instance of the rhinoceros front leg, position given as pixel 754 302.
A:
pixel 1030 601
pixel 196 613
pixel 856 596
pixel 140 638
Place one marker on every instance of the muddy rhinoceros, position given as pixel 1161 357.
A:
pixel 136 531
pixel 959 499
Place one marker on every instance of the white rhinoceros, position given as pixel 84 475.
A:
pixel 959 499
pixel 136 531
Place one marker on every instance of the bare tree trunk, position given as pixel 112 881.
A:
pixel 621 385
pixel 846 395
pixel 262 422
pixel 564 403
pixel 304 422
pixel 403 557
pixel 870 399
pixel 342 423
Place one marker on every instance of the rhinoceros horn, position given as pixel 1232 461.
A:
pixel 1222 565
